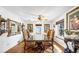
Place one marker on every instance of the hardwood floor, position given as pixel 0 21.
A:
pixel 58 48
pixel 20 48
pixel 17 49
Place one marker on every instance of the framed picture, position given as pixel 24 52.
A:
pixel 45 37
pixel 46 27
pixel 30 27
pixel 14 27
pixel 72 19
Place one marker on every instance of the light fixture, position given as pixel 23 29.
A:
pixel 40 17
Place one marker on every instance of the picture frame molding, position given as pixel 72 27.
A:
pixel 70 12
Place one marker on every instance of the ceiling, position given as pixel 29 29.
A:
pixel 31 12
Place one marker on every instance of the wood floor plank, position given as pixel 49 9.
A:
pixel 20 48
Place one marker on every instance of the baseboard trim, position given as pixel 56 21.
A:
pixel 59 45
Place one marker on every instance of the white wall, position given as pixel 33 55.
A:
pixel 9 42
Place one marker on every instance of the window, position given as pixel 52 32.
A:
pixel 60 27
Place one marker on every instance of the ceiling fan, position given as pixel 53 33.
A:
pixel 40 17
